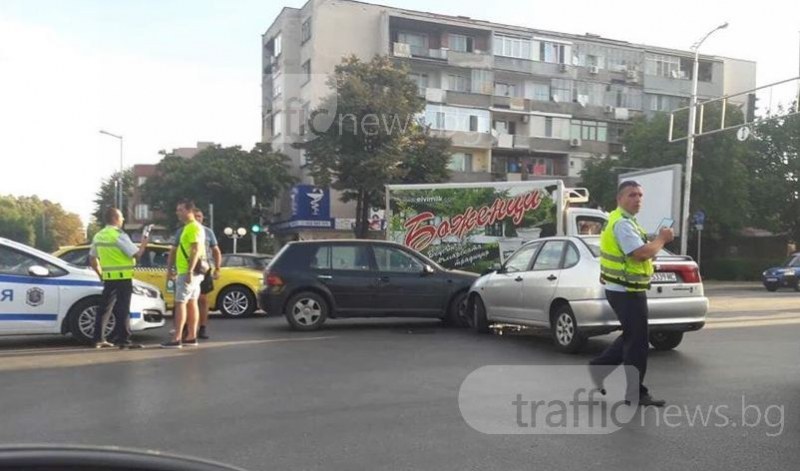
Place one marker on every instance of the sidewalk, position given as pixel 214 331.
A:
pixel 713 285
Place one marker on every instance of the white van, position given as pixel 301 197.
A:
pixel 41 294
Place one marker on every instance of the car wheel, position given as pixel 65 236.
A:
pixel 82 319
pixel 457 314
pixel 479 321
pixel 306 311
pixel 665 340
pixel 564 327
pixel 771 287
pixel 236 301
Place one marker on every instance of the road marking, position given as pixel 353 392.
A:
pixel 752 321
pixel 89 357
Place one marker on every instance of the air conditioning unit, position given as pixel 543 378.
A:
pixel 609 109
pixel 564 68
pixel 402 50
pixel 594 70
pixel 575 142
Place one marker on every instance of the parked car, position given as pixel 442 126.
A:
pixel 41 294
pixel 555 283
pixel 234 293
pixel 784 276
pixel 312 281
pixel 255 261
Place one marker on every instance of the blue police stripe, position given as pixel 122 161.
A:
pixel 28 317
pixel 34 280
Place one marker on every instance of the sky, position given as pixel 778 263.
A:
pixel 168 73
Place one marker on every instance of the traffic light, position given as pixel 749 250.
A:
pixel 255 228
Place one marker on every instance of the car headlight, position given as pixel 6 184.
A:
pixel 789 272
pixel 143 291
pixel 765 273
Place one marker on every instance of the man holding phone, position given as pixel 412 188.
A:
pixel 626 267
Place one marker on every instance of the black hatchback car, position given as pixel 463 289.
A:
pixel 312 281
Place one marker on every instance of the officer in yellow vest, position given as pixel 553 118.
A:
pixel 626 267
pixel 113 256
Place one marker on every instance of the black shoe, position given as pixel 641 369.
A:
pixel 595 371
pixel 191 343
pixel 103 344
pixel 201 333
pixel 171 344
pixel 646 400
pixel 129 346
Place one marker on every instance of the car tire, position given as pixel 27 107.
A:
pixel 665 340
pixel 564 328
pixel 479 320
pixel 236 302
pixel 457 314
pixel 771 287
pixel 306 311
pixel 81 319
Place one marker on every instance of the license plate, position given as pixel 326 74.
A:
pixel 772 279
pixel 664 277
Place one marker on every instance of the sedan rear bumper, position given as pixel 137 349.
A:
pixel 675 314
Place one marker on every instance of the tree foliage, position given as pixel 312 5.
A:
pixel 106 196
pixel 370 135
pixel 40 223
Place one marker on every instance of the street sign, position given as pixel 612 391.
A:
pixel 743 133
pixel 699 217
pixel 699 227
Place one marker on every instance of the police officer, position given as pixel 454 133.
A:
pixel 626 267
pixel 113 257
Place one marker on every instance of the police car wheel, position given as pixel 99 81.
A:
pixel 236 301
pixel 82 318
pixel 566 334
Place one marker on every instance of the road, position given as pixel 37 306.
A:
pixel 382 395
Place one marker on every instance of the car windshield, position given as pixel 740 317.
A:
pixel 793 261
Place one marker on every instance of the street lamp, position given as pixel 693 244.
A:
pixel 687 191
pixel 235 235
pixel 119 179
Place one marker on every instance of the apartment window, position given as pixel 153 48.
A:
pixel 704 73
pixel 505 89
pixel 538 91
pixel 277 46
pixel 507 46
pixel 141 181
pixel 417 42
pixel 305 115
pixel 306 30
pixel 554 53
pixel 667 103
pixel 458 83
pixel 592 61
pixel 306 71
pixel 588 93
pixel 277 85
pixel 505 127
pixel 589 130
pixel 620 96
pixel 561 90
pixel 663 66
pixel 422 82
pixel 439 120
pixel 473 123
pixel 460 162
pixel 277 123
pixel 460 43
pixel 142 212
pixel 540 166
pixel 548 126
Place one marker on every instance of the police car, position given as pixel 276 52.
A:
pixel 41 294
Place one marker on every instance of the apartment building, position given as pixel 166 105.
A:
pixel 518 103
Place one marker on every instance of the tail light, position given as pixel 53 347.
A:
pixel 272 279
pixel 687 273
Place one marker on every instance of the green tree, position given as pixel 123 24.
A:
pixel 373 138
pixel 106 196
pixel 719 178
pixel 40 223
pixel 224 176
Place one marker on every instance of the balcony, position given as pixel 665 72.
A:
pixel 466 139
pixel 535 67
pixel 472 100
pixel 469 59
pixel 409 51
pixel 512 142
pixel 470 177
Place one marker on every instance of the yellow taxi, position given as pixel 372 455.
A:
pixel 234 293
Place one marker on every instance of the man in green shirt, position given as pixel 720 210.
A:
pixel 190 251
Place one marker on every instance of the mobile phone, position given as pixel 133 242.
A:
pixel 146 230
pixel 666 223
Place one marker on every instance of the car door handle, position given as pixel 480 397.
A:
pixel 325 277
pixel 552 278
pixel 519 278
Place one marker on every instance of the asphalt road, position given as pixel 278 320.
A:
pixel 383 395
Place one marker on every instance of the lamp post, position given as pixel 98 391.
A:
pixel 119 179
pixel 235 235
pixel 687 186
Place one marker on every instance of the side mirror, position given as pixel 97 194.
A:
pixel 38 270
pixel 497 267
pixel 428 270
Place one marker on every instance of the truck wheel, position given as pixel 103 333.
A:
pixel 565 330
pixel 665 340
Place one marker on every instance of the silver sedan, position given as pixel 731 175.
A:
pixel 554 283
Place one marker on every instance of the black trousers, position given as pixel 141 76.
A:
pixel 116 301
pixel 631 347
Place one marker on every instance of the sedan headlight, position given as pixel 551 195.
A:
pixel 789 272
pixel 143 291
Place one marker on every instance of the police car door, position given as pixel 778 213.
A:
pixel 29 296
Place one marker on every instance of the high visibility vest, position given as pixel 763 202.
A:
pixel 617 267
pixel 116 264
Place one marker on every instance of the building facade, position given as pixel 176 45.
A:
pixel 518 103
